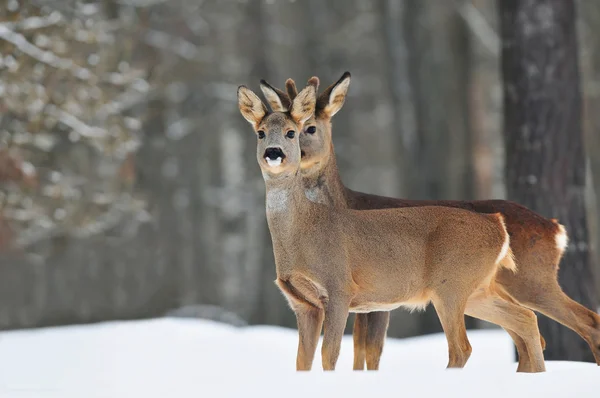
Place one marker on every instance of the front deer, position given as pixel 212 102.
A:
pixel 538 243
pixel 331 261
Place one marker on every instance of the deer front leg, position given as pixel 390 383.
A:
pixel 310 321
pixel 336 315
pixel 309 316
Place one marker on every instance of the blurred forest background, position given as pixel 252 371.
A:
pixel 128 181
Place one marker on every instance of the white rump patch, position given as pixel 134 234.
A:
pixel 562 240
pixel 277 199
pixel 505 247
pixel 273 163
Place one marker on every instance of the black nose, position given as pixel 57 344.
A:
pixel 274 153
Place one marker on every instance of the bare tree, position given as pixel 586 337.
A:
pixel 590 56
pixel 545 160
pixel 128 179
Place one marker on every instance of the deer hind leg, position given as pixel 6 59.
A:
pixel 542 293
pixel 360 340
pixel 555 304
pixel 377 326
pixel 575 316
pixel 450 311
pixel 336 315
pixel 519 322
pixel 481 306
pixel 525 365
pixel 523 321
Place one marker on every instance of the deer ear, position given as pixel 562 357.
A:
pixel 303 106
pixel 251 107
pixel 332 99
pixel 277 99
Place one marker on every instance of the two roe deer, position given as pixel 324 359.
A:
pixel 537 243
pixel 331 260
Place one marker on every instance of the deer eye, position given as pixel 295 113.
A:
pixel 290 134
pixel 311 130
pixel 261 134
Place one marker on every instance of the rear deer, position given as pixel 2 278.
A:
pixel 538 243
pixel 331 260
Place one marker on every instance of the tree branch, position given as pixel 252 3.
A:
pixel 480 27
pixel 46 57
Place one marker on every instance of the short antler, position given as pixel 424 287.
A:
pixel 291 89
pixel 314 81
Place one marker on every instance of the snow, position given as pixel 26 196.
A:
pixel 174 357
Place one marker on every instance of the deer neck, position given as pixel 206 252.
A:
pixel 325 185
pixel 286 208
pixel 283 197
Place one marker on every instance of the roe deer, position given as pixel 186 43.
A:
pixel 538 243
pixel 331 261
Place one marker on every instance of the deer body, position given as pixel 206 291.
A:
pixel 537 243
pixel 332 260
pixel 389 257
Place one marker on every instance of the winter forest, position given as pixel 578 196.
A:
pixel 129 187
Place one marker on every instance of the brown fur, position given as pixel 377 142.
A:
pixel 331 260
pixel 533 237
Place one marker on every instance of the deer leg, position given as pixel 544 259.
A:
pixel 377 326
pixel 548 298
pixel 481 306
pixel 310 321
pixel 575 316
pixel 524 365
pixel 336 315
pixel 518 321
pixel 450 311
pixel 360 340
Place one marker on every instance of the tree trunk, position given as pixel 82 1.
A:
pixel 590 12
pixel 545 163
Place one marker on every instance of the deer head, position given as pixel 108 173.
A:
pixel 278 150
pixel 315 139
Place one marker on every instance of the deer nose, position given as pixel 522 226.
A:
pixel 273 153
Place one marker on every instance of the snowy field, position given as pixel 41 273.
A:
pixel 171 357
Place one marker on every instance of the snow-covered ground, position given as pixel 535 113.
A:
pixel 172 357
